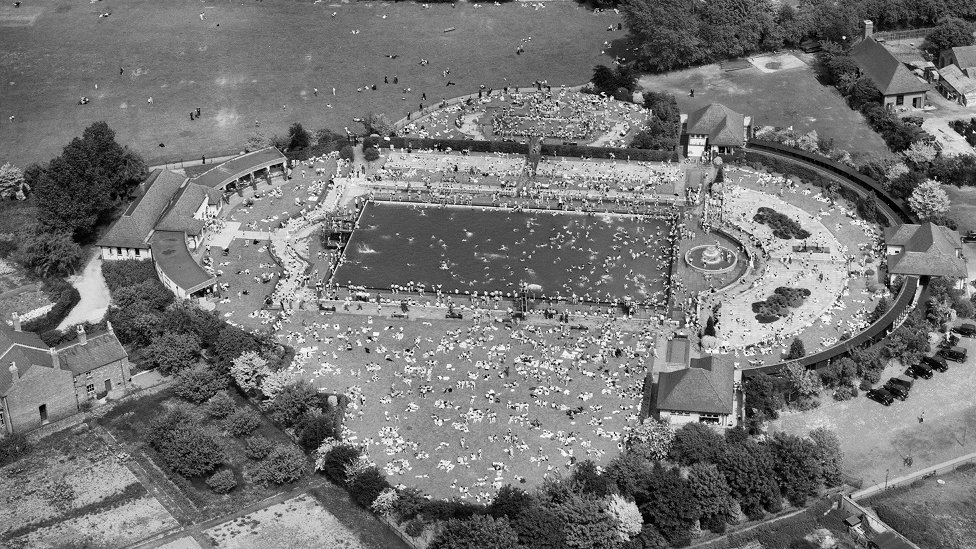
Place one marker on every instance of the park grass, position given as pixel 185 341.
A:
pixel 261 64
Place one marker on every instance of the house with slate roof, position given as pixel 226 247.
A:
pixel 963 57
pixel 925 250
pixel 714 129
pixel 40 384
pixel 708 390
pixel 956 86
pixel 899 87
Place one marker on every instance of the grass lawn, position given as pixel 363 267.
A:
pixel 791 97
pixel 261 60
pixel 933 515
pixel 129 423
pixel 474 429
pixel 72 489
pixel 963 209
pixel 875 439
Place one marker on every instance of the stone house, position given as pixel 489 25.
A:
pixel 41 384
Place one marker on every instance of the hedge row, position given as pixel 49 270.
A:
pixel 580 151
pixel 65 296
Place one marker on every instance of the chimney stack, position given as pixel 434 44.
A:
pixel 14 374
pixel 868 28
pixel 16 318
pixel 55 359
pixel 108 324
pixel 82 336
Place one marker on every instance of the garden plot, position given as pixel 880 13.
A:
pixel 72 487
pixel 298 522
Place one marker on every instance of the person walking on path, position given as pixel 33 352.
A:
pixel 921 417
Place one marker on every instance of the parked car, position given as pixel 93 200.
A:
pixel 955 354
pixel 881 395
pixel 937 363
pixel 897 390
pixel 919 371
pixel 969 237
pixel 951 340
pixel 966 330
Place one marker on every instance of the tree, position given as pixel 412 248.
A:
pixel 538 527
pixel 733 28
pixel 909 341
pixel 629 471
pixel 667 502
pixel 696 443
pixel 627 516
pixel 710 489
pixel 293 402
pixel 199 384
pixel 919 154
pixel 477 532
pixel 928 200
pixel 651 439
pixel 298 137
pixel 951 32
pixel 78 187
pixel 864 91
pixel 347 153
pixel 667 34
pixel 829 454
pixel 803 383
pixel 587 480
pixel 764 401
pixel 586 522
pixel 172 353
pixel 377 123
pixel 747 468
pixel 248 370
pixel 48 254
pixel 325 136
pixel 231 342
pixel 796 349
pixel 371 154
pixel 796 466
pixel 335 461
pixel 312 429
pixel 366 486
pixel 183 445
pixel 510 501
pixel 12 184
pixel 879 310
pixel 242 422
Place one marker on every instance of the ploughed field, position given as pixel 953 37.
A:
pixel 598 258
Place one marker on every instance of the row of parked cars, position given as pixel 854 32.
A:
pixel 900 386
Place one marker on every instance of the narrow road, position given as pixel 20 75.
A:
pixel 95 296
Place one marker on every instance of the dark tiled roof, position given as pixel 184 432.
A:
pixel 98 351
pixel 930 250
pixel 707 386
pixel 957 80
pixel 132 230
pixel 722 125
pixel 173 258
pixel 965 56
pixel 887 72
pixel 179 216
pixel 220 175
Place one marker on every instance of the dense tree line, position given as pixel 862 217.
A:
pixel 672 34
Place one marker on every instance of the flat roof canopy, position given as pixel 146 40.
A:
pixel 174 260
pixel 220 175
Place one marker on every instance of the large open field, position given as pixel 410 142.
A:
pixel 260 61
pixel 599 258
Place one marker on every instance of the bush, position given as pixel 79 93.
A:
pixel 415 528
pixel 337 459
pixel 313 429
pixel 371 154
pixel 184 446
pixel 347 153
pixel 222 482
pixel 242 422
pixel 221 405
pixel 13 447
pixel 782 226
pixel 366 486
pixel 285 464
pixel 65 297
pixel 127 272
pixel 200 384
pixel 845 392
pixel 292 403
pixel 257 447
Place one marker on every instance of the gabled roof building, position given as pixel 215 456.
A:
pixel 925 250
pixel 714 129
pixel 899 87
pixel 706 391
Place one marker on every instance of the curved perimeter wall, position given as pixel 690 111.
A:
pixel 896 210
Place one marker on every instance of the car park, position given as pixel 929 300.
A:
pixel 896 389
pixel 967 330
pixel 881 395
pixel 936 362
pixel 955 354
pixel 919 371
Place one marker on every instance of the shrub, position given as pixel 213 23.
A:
pixel 415 528
pixel 347 153
pixel 312 429
pixel 336 460
pixel 242 422
pixel 127 272
pixel 293 402
pixel 845 392
pixel 257 447
pixel 221 405
pixel 200 384
pixel 183 445
pixel 222 482
pixel 367 485
pixel 286 463
pixel 371 154
pixel 782 226
pixel 65 297
pixel 13 447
